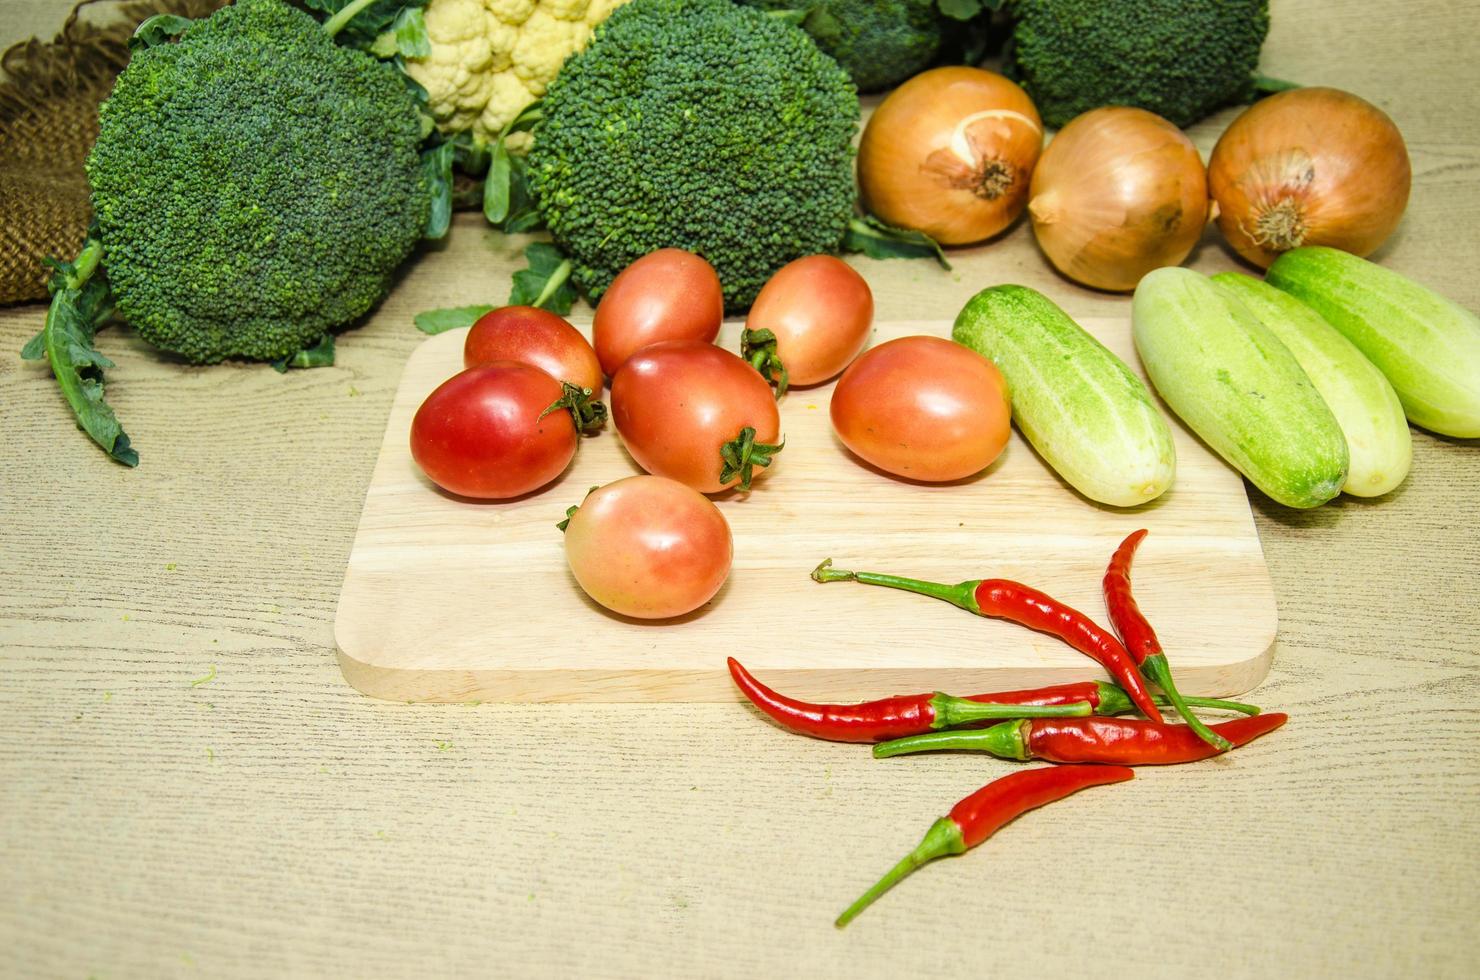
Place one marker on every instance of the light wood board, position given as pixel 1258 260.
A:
pixel 451 600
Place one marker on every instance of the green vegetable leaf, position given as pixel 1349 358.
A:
pixel 507 201
pixel 35 348
pixel 546 283
pixel 159 29
pixel 877 240
pixel 790 16
pixel 960 9
pixel 80 302
pixel 437 166
pixel 448 318
pixel 319 355
pixel 496 185
pixel 824 26
pixel 360 22
pixel 410 32
pixel 470 155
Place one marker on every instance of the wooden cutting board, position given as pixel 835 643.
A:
pixel 450 600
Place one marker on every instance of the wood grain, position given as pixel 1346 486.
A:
pixel 438 590
pixel 273 822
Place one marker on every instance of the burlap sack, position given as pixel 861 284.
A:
pixel 48 120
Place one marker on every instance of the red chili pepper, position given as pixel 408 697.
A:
pixel 877 721
pixel 1121 741
pixel 1140 639
pixel 980 815
pixel 1003 599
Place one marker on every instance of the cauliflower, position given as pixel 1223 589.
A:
pixel 491 58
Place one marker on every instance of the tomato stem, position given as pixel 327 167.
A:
pixel 741 455
pixel 571 510
pixel 759 348
pixel 587 413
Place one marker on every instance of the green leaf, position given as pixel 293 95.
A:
pixel 80 302
pixel 470 155
pixel 35 348
pixel 546 283
pixel 437 166
pixel 877 240
pixel 496 185
pixel 789 16
pixel 159 29
pixel 319 355
pixel 359 22
pixel 508 203
pixel 823 25
pixel 410 30
pixel 960 9
pixel 448 318
pixel 384 46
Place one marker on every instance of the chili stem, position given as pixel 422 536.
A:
pixel 1005 741
pixel 952 712
pixel 1211 704
pixel 1156 667
pixel 961 594
pixel 943 838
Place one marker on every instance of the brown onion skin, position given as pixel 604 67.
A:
pixel 910 176
pixel 1323 165
pixel 1118 192
pixel 669 294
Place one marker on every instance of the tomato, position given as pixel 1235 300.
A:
pixel 819 310
pixel 480 434
pixel 677 404
pixel 669 294
pixel 924 408
pixel 648 547
pixel 538 337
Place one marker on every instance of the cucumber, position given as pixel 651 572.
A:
pixel 1365 405
pixel 1428 347
pixel 1082 409
pixel 1239 388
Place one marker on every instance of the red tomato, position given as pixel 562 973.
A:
pixel 924 408
pixel 676 405
pixel 538 337
pixel 480 433
pixel 669 294
pixel 819 310
pixel 648 547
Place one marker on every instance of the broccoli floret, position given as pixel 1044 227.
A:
pixel 1181 59
pixel 255 185
pixel 702 125
pixel 878 42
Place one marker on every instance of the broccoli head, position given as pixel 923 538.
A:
pixel 1181 59
pixel 702 125
pixel 255 185
pixel 878 42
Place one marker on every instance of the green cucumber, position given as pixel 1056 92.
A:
pixel 1231 379
pixel 1082 409
pixel 1428 347
pixel 1364 403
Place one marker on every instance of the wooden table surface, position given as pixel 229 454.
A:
pixel 188 787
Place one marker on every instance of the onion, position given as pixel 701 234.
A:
pixel 1311 166
pixel 950 153
pixel 1119 192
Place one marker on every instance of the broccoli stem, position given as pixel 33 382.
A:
pixel 347 13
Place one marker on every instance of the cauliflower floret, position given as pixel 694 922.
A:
pixel 492 58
